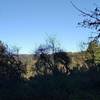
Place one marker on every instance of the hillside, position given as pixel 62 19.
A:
pixel 77 60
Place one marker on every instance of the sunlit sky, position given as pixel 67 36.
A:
pixel 25 23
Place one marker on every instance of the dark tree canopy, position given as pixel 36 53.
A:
pixel 51 59
pixel 10 66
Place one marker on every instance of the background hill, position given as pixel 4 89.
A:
pixel 77 60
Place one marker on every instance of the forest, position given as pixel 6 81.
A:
pixel 51 73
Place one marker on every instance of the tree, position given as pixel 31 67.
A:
pixel 92 21
pixel 10 67
pixel 93 52
pixel 50 57
pixel 15 51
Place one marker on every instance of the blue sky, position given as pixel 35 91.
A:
pixel 24 23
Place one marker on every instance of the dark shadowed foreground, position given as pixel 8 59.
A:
pixel 77 86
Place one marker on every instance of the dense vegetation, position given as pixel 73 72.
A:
pixel 51 73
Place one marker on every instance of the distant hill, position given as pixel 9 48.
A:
pixel 76 58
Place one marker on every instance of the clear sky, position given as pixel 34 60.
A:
pixel 24 23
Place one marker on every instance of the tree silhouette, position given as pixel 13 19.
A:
pixel 10 66
pixel 91 20
pixel 51 59
pixel 62 58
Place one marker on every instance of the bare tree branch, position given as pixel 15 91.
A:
pixel 87 14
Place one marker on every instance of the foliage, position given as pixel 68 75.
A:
pixel 50 56
pixel 79 86
pixel 91 20
pixel 10 67
pixel 93 52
